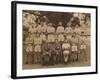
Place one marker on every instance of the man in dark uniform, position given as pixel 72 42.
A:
pixel 45 54
pixel 59 56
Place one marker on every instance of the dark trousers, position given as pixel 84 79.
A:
pixel 46 59
pixel 28 59
pixel 37 57
pixel 82 55
pixel 74 56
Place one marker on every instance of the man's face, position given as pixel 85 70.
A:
pixel 44 23
pixel 29 44
pixel 60 23
pixel 56 41
pixel 41 23
pixel 50 24
pixel 37 16
pixel 76 26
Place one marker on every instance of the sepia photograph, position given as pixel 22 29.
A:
pixel 53 40
pixel 56 39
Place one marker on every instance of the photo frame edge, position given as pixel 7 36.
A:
pixel 14 41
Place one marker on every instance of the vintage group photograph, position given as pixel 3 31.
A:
pixel 55 39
